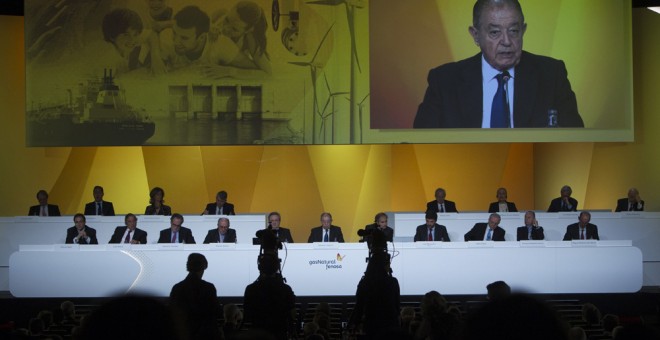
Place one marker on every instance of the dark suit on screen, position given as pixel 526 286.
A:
pixel 573 232
pixel 227 209
pixel 624 205
pixel 335 235
pixel 284 234
pixel 522 233
pixel 439 233
pixel 72 233
pixel 53 210
pixel 108 209
pixel 214 237
pixel 165 210
pixel 185 236
pixel 495 207
pixel 478 232
pixel 138 235
pixel 450 207
pixel 556 205
pixel 454 96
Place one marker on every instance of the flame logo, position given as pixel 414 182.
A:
pixel 339 257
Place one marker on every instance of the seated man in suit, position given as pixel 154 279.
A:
pixel 99 206
pixel 583 230
pixel 44 209
pixel 495 233
pixel 284 234
pixel 440 204
pixel 80 233
pixel 380 223
pixel 129 233
pixel 502 205
pixel 431 231
pixel 632 203
pixel 222 234
pixel 326 232
pixel 564 202
pixel 176 233
pixel 501 87
pixel 220 206
pixel 531 230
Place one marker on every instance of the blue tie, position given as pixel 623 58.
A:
pixel 488 235
pixel 326 238
pixel 499 114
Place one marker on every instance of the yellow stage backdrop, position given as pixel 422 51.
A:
pixel 351 182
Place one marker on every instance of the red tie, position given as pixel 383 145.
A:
pixel 581 233
pixel 174 237
pixel 430 234
pixel 128 237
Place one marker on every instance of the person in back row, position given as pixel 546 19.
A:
pixel 43 208
pixel 632 203
pixel 440 204
pixel 99 207
pixel 502 205
pixel 220 206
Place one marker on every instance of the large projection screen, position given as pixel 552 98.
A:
pixel 111 72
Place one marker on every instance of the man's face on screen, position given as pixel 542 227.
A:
pixel 500 36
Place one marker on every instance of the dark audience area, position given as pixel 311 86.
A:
pixel 432 316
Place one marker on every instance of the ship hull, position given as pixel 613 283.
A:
pixel 66 133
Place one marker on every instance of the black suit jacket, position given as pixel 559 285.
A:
pixel 439 233
pixel 138 235
pixel 622 205
pixel 165 210
pixel 454 97
pixel 478 232
pixel 53 210
pixel 284 235
pixel 573 232
pixel 72 233
pixel 214 237
pixel 432 206
pixel 316 235
pixel 555 205
pixel 108 209
pixel 185 236
pixel 537 233
pixel 227 208
pixel 495 207
pixel 388 232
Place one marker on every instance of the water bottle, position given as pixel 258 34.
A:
pixel 552 118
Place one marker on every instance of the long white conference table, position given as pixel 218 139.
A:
pixel 642 228
pixel 330 268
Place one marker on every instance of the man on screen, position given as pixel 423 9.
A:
pixel 582 230
pixel 176 233
pixel 501 87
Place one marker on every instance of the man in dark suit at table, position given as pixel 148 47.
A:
pixel 222 234
pixel 440 204
pixel 326 232
pixel 195 301
pixel 583 230
pixel 220 206
pixel 490 231
pixel 431 231
pixel 43 208
pixel 284 234
pixel 80 233
pixel 531 230
pixel 632 203
pixel 502 205
pixel 99 206
pixel 564 202
pixel 176 233
pixel 380 223
pixel 477 92
pixel 129 233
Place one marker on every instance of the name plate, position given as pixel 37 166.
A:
pixel 481 244
pixel 429 244
pixel 221 246
pixel 26 218
pixel 584 243
pixel 170 246
pixel 326 245
pixel 66 247
pixel 118 246
pixel 532 244
pixel 93 247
